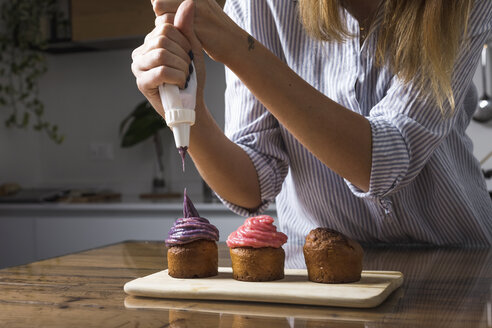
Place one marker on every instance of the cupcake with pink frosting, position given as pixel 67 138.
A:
pixel 256 250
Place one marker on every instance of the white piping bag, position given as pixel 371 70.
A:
pixel 179 109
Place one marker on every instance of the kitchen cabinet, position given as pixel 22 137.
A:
pixel 105 24
pixel 17 240
pixel 110 19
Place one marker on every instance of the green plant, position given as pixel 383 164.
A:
pixel 141 124
pixel 22 63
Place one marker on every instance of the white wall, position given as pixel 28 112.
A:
pixel 88 94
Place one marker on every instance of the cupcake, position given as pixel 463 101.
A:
pixel 332 257
pixel 256 250
pixel 192 248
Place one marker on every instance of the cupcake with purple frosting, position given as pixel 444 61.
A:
pixel 192 248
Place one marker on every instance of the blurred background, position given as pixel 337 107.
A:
pixel 74 186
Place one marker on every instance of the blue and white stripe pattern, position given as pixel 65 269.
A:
pixel 425 186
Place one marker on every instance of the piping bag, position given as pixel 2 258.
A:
pixel 179 111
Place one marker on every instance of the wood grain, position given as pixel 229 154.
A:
pixel 442 288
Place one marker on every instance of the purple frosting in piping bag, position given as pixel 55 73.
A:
pixel 182 152
pixel 191 227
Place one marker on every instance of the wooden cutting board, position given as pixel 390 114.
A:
pixel 373 288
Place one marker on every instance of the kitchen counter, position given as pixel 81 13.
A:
pixel 127 203
pixel 442 288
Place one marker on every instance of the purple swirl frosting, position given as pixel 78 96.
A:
pixel 191 227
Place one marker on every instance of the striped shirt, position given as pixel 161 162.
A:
pixel 425 184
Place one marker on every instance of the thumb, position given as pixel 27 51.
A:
pixel 184 21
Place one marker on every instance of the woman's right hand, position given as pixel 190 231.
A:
pixel 166 55
pixel 217 32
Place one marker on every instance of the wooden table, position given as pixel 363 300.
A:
pixel 442 288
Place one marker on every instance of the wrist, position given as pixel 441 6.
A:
pixel 205 135
pixel 226 49
pixel 202 124
pixel 236 48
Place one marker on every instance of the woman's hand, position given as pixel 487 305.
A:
pixel 216 32
pixel 166 55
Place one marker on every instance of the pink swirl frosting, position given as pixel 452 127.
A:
pixel 257 232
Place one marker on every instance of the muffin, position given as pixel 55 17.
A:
pixel 192 248
pixel 256 250
pixel 332 257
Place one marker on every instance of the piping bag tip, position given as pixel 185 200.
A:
pixel 182 152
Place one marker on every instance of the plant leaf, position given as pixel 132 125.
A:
pixel 141 129
pixel 25 119
pixel 144 108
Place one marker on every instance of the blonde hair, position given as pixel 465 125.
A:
pixel 419 39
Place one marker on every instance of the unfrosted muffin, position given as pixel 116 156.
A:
pixel 192 248
pixel 256 250
pixel 332 257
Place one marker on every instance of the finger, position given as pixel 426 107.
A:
pixel 160 57
pixel 162 42
pixel 184 21
pixel 163 19
pixel 166 30
pixel 156 31
pixel 172 33
pixel 165 6
pixel 151 79
pixel 137 51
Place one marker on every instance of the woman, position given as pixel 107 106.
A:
pixel 351 114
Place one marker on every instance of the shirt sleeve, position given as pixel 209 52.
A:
pixel 407 127
pixel 247 122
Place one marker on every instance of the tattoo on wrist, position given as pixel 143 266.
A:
pixel 251 43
